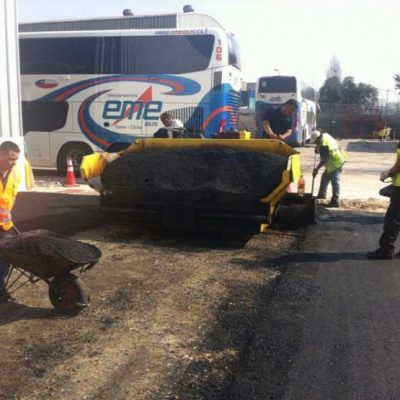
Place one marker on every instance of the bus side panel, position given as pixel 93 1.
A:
pixel 38 149
pixel 222 103
pixel 191 110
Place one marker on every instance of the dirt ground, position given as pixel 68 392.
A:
pixel 172 316
pixel 169 318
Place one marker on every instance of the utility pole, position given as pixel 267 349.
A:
pixel 387 101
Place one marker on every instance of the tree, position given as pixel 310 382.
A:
pixel 350 93
pixel 347 92
pixel 367 94
pixel 397 81
pixel 331 91
pixel 334 69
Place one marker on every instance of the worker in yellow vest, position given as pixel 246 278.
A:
pixel 10 180
pixel 333 158
pixel 391 226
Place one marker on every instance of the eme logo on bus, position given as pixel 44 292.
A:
pixel 115 109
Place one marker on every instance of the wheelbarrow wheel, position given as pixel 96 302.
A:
pixel 67 295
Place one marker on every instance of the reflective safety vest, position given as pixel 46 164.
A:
pixel 396 178
pixel 7 198
pixel 336 157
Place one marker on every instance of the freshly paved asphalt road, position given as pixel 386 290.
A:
pixel 350 342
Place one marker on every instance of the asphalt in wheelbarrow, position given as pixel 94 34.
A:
pixel 218 170
pixel 40 242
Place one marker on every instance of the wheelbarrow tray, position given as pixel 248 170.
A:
pixel 46 254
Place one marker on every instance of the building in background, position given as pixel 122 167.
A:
pixel 10 102
pixel 248 96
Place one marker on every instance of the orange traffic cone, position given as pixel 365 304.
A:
pixel 70 178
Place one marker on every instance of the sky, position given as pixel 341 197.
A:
pixel 292 36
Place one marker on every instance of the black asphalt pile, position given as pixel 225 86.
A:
pixel 46 243
pixel 170 173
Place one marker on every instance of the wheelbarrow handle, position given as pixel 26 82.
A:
pixel 16 230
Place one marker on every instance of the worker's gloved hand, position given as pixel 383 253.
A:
pixel 315 172
pixel 384 175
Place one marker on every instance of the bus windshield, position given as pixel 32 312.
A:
pixel 277 84
pixel 234 52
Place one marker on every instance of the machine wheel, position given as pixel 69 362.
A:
pixel 67 295
pixel 75 151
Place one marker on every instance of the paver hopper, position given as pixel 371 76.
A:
pixel 197 184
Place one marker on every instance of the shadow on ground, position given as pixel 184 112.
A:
pixel 12 311
pixel 57 212
pixel 372 146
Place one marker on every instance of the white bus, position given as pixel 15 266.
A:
pixel 85 91
pixel 273 91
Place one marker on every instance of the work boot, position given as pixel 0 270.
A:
pixel 333 204
pixel 5 296
pixel 379 254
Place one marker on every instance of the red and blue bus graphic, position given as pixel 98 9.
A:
pixel 221 103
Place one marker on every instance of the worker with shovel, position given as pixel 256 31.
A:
pixel 332 157
pixel 10 179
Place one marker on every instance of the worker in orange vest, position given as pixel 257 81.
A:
pixel 10 179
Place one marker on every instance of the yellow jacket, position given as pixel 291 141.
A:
pixel 7 198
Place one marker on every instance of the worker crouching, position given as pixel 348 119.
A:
pixel 332 157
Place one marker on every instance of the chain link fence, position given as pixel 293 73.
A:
pixel 359 121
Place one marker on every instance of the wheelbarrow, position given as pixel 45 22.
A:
pixel 44 255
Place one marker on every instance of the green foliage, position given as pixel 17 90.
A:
pixel 397 81
pixel 331 91
pixel 347 91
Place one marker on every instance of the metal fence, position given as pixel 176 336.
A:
pixel 358 121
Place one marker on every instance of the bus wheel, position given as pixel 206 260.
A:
pixel 75 151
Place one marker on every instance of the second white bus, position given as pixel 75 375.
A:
pixel 273 91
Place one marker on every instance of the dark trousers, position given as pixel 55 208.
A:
pixel 391 226
pixel 4 265
pixel 333 178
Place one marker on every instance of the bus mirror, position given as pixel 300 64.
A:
pixel 318 108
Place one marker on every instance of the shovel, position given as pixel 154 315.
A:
pixel 313 178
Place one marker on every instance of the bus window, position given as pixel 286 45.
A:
pixel 169 54
pixel 44 116
pixel 62 56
